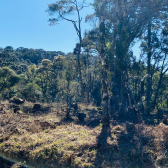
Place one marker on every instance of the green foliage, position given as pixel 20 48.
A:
pixel 58 63
pixel 61 9
pixel 8 78
pixel 39 75
pixel 32 92
pixel 69 75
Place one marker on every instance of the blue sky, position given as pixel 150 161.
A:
pixel 24 23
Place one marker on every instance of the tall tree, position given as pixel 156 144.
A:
pixel 163 61
pixel 61 9
pixel 153 10
pixel 100 10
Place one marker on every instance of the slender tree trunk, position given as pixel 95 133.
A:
pixel 129 91
pixel 80 75
pixel 104 62
pixel 142 94
pixel 88 87
pixel 88 77
pixel 68 102
pixel 148 93
pixel 79 51
pixel 157 90
pixel 160 81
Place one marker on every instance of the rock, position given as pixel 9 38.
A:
pixel 16 100
pixel 81 116
pixel 37 106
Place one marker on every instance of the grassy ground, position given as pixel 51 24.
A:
pixel 44 139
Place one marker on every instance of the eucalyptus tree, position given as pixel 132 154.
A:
pixel 151 41
pixel 162 61
pixel 89 57
pixel 69 76
pixel 127 24
pixel 60 10
pixel 93 62
pixel 101 13
pixel 120 22
pixel 56 70
pixel 43 74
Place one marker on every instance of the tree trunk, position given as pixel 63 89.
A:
pixel 68 102
pixel 157 90
pixel 104 62
pixel 79 51
pixel 88 87
pixel 80 75
pixel 148 93
pixel 160 81
pixel 128 88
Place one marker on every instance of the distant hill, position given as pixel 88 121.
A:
pixel 18 59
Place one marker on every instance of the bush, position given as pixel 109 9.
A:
pixel 32 92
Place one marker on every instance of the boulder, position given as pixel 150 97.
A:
pixel 16 100
pixel 37 106
pixel 81 116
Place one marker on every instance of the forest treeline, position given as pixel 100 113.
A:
pixel 102 69
pixel 43 76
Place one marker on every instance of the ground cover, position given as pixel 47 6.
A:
pixel 44 139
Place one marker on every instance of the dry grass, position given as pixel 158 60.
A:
pixel 42 139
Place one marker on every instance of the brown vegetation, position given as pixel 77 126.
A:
pixel 43 138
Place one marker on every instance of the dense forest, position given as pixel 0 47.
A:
pixel 102 70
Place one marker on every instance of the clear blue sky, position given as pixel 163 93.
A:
pixel 24 23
